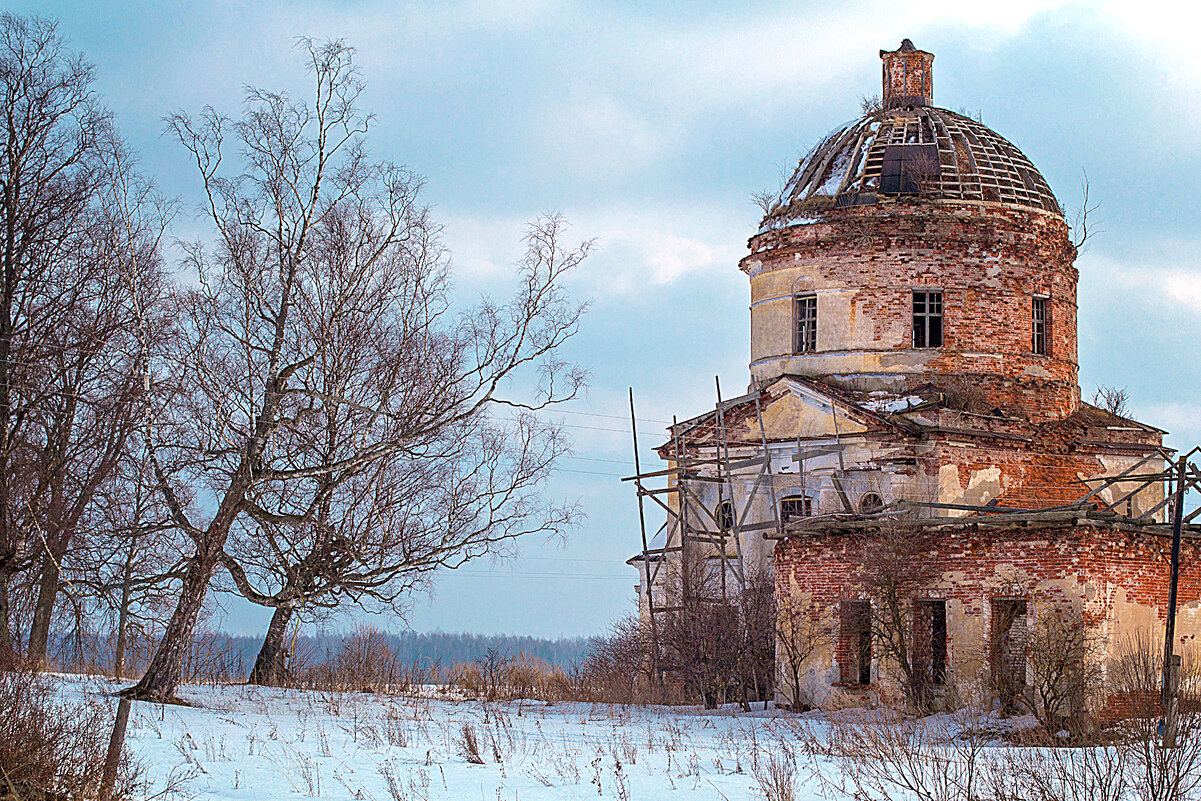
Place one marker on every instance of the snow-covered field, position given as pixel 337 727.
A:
pixel 248 743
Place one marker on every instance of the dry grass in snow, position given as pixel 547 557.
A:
pixel 243 742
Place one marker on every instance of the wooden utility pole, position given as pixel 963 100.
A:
pixel 1169 639
pixel 646 563
pixel 116 744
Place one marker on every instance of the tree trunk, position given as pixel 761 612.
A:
pixel 43 613
pixel 123 614
pixel 8 654
pixel 166 668
pixel 119 648
pixel 271 667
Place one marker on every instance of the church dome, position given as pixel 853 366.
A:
pixel 907 147
pixel 915 246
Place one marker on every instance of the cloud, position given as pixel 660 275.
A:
pixel 1181 420
pixel 637 245
pixel 616 137
pixel 1162 274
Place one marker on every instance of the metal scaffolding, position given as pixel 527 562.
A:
pixel 713 531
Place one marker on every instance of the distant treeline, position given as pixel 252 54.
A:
pixel 441 647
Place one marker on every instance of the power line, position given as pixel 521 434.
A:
pixel 597 459
pixel 589 472
pixel 478 574
pixel 610 416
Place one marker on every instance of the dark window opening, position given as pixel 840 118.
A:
pixel 805 331
pixel 1009 639
pixel 856 619
pixel 909 169
pixel 799 506
pixel 927 319
pixel 724 515
pixel 1038 332
pixel 870 503
pixel 930 641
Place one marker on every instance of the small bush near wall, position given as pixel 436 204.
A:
pixel 51 749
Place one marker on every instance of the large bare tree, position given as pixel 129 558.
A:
pixel 51 127
pixel 97 377
pixel 274 307
pixel 373 532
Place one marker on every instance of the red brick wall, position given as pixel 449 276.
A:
pixel 1030 478
pixel 966 566
pixel 908 73
pixel 989 260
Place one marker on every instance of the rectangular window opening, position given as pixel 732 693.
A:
pixel 805 331
pixel 1038 332
pixel 930 641
pixel 856 645
pixel 927 319
pixel 1010 633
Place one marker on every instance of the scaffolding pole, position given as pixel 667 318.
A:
pixel 692 526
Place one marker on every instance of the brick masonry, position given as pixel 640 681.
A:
pixel 989 261
pixel 980 420
pixel 1118 579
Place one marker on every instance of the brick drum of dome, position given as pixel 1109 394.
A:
pixel 864 263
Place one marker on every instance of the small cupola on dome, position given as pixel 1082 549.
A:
pixel 909 148
pixel 908 76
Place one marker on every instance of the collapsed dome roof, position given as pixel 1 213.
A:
pixel 910 148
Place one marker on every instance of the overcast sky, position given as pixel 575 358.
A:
pixel 650 125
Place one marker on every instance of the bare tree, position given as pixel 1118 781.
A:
pixel 894 572
pixel 50 125
pixel 757 614
pixel 372 534
pixel 95 383
pixel 701 638
pixel 719 643
pixel 1064 657
pixel 800 635
pixel 273 308
pixel 1114 400
pixel 1084 228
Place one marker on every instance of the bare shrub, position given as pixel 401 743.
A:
pixel 885 755
pixel 776 777
pixel 966 396
pixel 1064 658
pixel 922 171
pixel 870 105
pixel 616 667
pixel 1056 774
pixel 365 662
pixel 469 745
pixel 1135 681
pixel 1114 400
pixel 494 669
pixel 53 749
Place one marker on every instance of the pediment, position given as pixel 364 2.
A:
pixel 791 408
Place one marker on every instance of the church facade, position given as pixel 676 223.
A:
pixel 913 461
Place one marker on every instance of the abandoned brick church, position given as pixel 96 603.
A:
pixel 914 436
